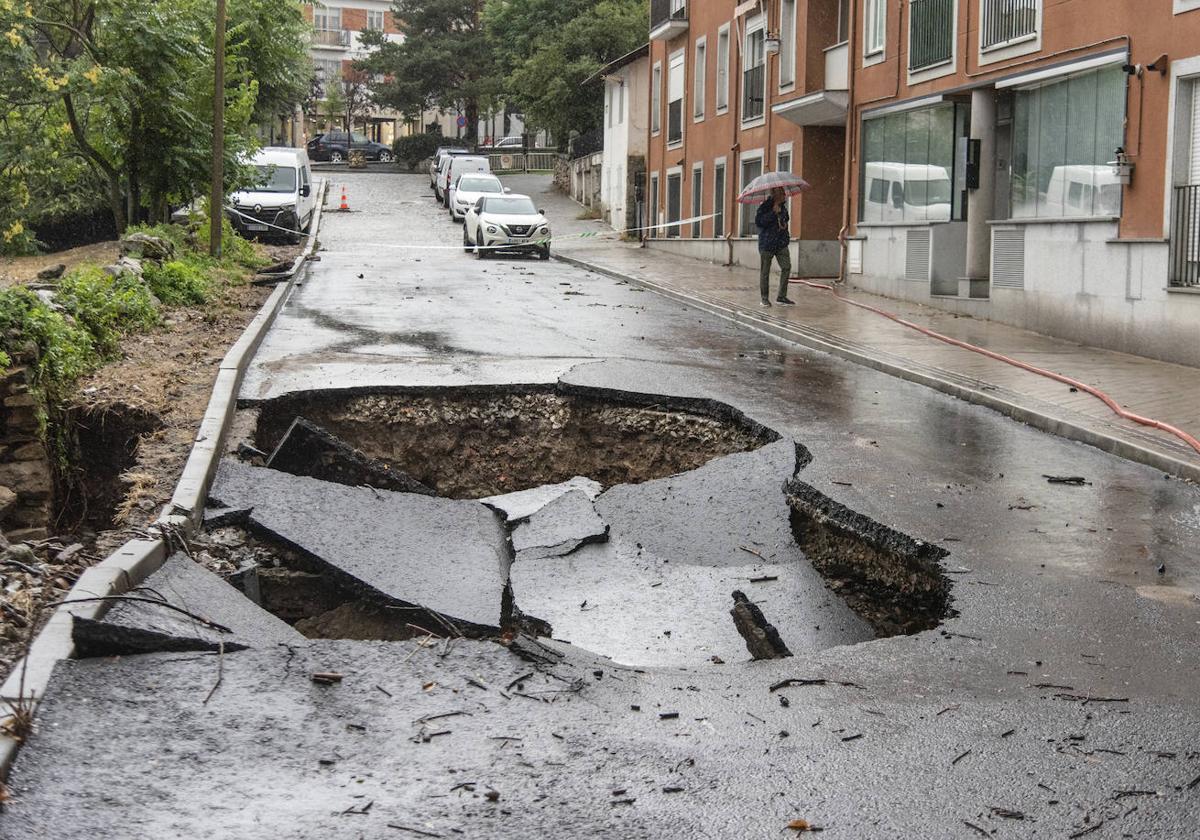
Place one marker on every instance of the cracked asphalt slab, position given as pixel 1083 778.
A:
pixel 1058 701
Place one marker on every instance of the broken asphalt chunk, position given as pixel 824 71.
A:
pixel 430 559
pixel 309 450
pixel 560 527
pixel 762 639
pixel 200 603
pixel 523 504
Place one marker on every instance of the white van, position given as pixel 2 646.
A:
pixel 281 204
pixel 906 192
pixel 1081 190
pixel 455 166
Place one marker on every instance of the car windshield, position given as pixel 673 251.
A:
pixel 480 185
pixel 275 179
pixel 510 205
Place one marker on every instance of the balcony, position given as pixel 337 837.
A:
pixel 828 106
pixel 668 18
pixel 335 38
pixel 930 33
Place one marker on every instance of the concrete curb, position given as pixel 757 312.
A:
pixel 962 387
pixel 137 559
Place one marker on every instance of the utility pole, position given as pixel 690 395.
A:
pixel 217 196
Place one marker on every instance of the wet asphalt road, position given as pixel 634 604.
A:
pixel 1061 696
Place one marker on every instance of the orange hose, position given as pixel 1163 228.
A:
pixel 991 354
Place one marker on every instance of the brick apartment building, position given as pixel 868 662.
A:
pixel 1035 162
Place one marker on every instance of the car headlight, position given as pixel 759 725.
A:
pixel 492 229
pixel 287 208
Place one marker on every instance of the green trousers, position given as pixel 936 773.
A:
pixel 764 273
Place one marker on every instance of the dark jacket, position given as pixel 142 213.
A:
pixel 772 227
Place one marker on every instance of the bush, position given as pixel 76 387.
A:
pixel 412 150
pixel 178 282
pixel 65 350
pixel 105 306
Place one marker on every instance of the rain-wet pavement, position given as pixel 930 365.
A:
pixel 1058 701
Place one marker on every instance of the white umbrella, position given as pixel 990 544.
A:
pixel 760 188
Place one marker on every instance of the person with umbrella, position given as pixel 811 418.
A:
pixel 773 220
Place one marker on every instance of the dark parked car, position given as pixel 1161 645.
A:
pixel 335 146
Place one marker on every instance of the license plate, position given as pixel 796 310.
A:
pixel 255 227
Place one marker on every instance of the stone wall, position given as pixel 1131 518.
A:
pixel 26 482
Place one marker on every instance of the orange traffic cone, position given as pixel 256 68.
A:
pixel 345 204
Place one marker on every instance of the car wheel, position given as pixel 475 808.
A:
pixel 335 156
pixel 467 246
pixel 544 253
pixel 483 251
pixel 385 156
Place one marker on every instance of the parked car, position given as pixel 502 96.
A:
pixel 442 151
pixel 335 146
pixel 468 189
pixel 508 223
pixel 510 143
pixel 281 204
pixel 455 166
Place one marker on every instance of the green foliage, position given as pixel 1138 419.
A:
pixel 444 62
pixel 106 307
pixel 110 101
pixel 412 150
pixel 547 48
pixel 64 349
pixel 179 282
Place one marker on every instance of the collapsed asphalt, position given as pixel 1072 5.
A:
pixel 1059 698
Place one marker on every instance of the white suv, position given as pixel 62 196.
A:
pixel 506 223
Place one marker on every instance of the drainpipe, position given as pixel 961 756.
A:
pixel 851 134
pixel 732 172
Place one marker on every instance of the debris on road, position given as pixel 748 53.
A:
pixel 309 450
pixel 762 639
pixel 1072 480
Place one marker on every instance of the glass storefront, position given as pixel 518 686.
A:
pixel 908 166
pixel 1064 135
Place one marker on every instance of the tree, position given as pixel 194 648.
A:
pixel 357 96
pixel 128 83
pixel 445 61
pixel 547 49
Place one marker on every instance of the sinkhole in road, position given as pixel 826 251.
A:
pixel 468 443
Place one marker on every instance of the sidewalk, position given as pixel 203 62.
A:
pixel 1166 392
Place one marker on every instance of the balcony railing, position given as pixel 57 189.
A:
pixel 753 92
pixel 930 33
pixel 331 37
pixel 1006 21
pixel 1185 238
pixel 668 18
pixel 675 121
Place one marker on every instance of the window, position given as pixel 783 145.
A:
pixel 653 200
pixel 875 30
pixel 719 200
pixel 697 195
pixel 723 69
pixel 621 103
pixel 787 43
pixel 754 75
pixel 375 20
pixel 608 104
pixel 699 70
pixel 328 71
pixel 675 99
pixel 908 166
pixel 751 169
pixel 783 162
pixel 656 98
pixel 1064 134
pixel 674 203
pixel 930 33
pixel 1007 22
pixel 843 30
